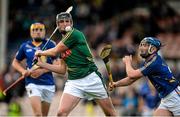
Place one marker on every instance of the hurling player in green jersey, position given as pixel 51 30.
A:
pixel 84 80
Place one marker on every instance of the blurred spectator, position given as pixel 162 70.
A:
pixel 89 105
pixel 14 109
pixel 130 102
pixel 1 87
pixel 149 99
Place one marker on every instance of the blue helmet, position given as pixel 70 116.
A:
pixel 152 41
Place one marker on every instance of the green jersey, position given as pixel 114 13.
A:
pixel 78 57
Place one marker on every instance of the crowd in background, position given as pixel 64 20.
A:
pixel 123 23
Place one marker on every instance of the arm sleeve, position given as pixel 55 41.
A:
pixel 20 55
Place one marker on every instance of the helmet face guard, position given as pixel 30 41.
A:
pixel 63 15
pixel 34 28
pixel 152 42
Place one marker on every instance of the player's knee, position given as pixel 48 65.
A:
pixel 37 114
pixel 62 112
pixel 110 113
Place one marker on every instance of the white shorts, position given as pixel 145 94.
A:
pixel 172 102
pixel 89 87
pixel 45 92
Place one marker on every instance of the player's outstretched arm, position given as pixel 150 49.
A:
pixel 124 82
pixel 132 74
pixel 60 47
pixel 48 52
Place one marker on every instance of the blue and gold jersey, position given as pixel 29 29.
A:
pixel 27 51
pixel 160 75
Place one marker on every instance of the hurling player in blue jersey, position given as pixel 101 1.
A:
pixel 39 81
pixel 158 72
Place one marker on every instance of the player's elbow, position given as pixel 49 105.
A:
pixel 63 70
pixel 131 80
pixel 131 75
pixel 14 63
pixel 62 73
pixel 134 74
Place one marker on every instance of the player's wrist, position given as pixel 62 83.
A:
pixel 23 71
pixel 115 85
pixel 38 53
